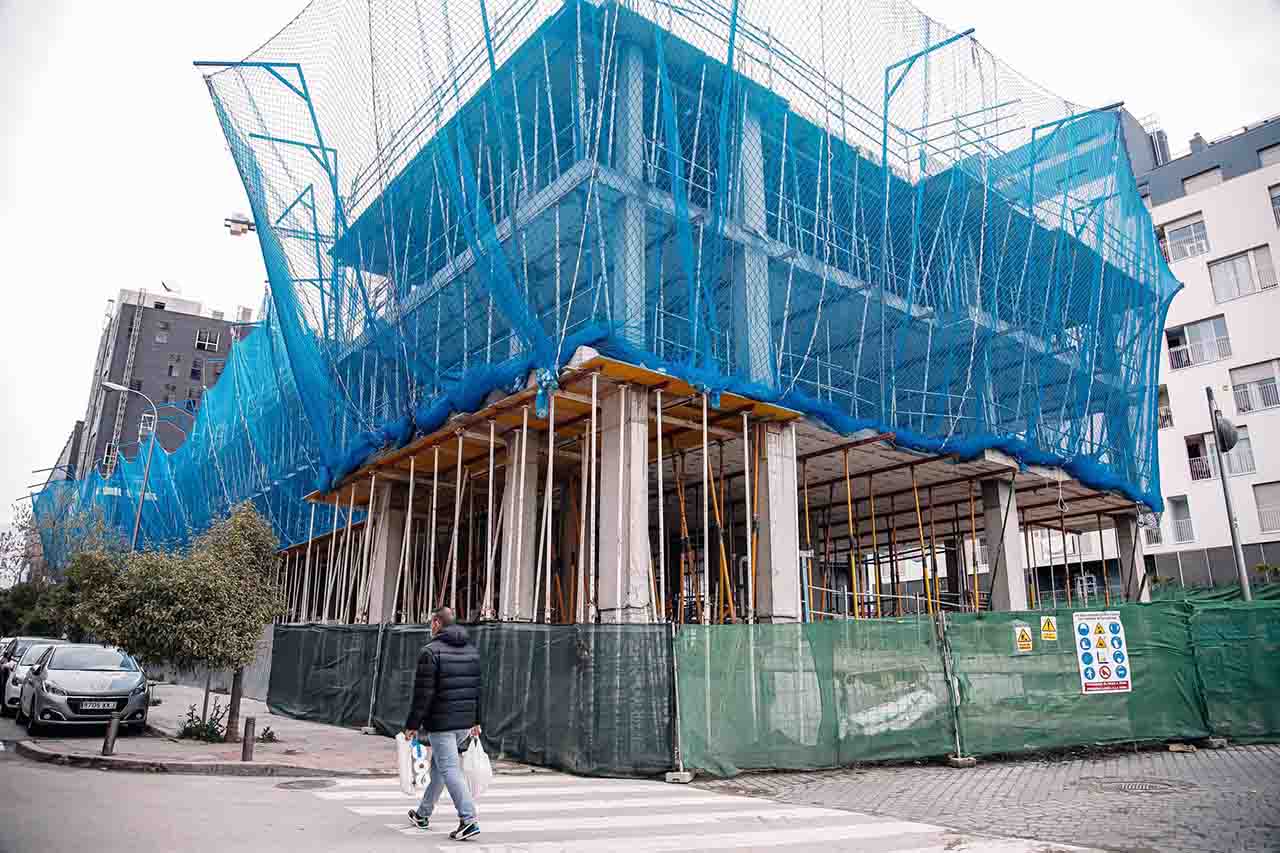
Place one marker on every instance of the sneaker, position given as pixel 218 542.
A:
pixel 418 820
pixel 465 831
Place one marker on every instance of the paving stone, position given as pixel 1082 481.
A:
pixel 1211 800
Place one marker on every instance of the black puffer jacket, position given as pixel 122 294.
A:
pixel 446 686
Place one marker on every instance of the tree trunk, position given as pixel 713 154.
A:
pixel 204 713
pixel 233 709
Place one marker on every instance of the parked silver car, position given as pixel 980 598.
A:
pixel 11 691
pixel 83 684
pixel 14 648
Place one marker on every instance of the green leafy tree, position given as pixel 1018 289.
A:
pixel 205 607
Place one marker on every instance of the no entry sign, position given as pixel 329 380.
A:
pixel 1102 652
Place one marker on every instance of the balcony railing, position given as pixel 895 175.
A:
pixel 1202 468
pixel 1153 536
pixel 1262 394
pixel 1199 352
pixel 1166 417
pixel 1182 530
pixel 1239 460
pixel 1269 517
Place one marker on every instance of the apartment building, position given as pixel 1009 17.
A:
pixel 170 348
pixel 1216 210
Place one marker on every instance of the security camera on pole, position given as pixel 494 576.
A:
pixel 1224 438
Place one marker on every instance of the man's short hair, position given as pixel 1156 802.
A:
pixel 445 615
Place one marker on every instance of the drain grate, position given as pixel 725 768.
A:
pixel 1139 786
pixel 306 784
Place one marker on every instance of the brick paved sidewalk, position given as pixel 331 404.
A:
pixel 1209 800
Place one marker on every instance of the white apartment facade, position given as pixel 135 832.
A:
pixel 1217 211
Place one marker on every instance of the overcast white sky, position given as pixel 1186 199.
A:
pixel 113 171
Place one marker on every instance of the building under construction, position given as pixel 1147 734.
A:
pixel 643 312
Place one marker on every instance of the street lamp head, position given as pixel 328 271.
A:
pixel 113 386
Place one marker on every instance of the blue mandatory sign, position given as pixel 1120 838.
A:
pixel 1118 657
pixel 1114 627
pixel 1085 644
pixel 1089 673
pixel 1084 630
pixel 1122 672
pixel 1115 642
pixel 1086 658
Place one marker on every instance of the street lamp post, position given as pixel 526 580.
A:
pixel 146 469
pixel 1224 435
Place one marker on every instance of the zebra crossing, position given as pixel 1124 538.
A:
pixel 556 813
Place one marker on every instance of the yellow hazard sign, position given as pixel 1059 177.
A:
pixel 1022 638
pixel 1100 644
pixel 1049 629
pixel 1097 629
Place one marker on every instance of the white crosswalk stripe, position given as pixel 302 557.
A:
pixel 556 813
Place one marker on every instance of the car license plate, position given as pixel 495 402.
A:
pixel 98 706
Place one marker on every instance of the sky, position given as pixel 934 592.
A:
pixel 114 173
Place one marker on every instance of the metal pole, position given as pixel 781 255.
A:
pixel 706 520
pixel 592 555
pixel 1245 591
pixel 487 610
pixel 746 483
pixel 113 729
pixel 662 522
pixel 250 733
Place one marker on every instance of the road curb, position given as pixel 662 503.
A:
pixel 29 749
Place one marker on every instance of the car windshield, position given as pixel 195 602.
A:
pixel 91 658
pixel 20 648
pixel 33 654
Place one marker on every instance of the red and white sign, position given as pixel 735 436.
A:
pixel 1102 652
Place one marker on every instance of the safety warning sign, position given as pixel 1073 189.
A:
pixel 1021 638
pixel 1049 629
pixel 1102 652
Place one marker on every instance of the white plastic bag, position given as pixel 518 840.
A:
pixel 413 764
pixel 477 769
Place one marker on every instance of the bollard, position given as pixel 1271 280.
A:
pixel 246 746
pixel 113 729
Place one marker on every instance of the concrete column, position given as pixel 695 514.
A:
pixel 1133 564
pixel 627 278
pixel 1004 546
pixel 626 425
pixel 954 568
pixel 388 541
pixel 516 599
pixel 778 598
pixel 753 335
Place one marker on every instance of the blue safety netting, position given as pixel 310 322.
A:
pixel 842 207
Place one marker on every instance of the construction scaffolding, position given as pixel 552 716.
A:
pixel 670 270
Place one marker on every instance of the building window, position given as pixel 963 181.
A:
pixel 1204 180
pixel 218 315
pixel 1275 203
pixel 162 325
pixel 1183 529
pixel 173 369
pixel 1254 387
pixel 1164 410
pixel 1198 343
pixel 207 340
pixel 162 337
pixel 136 385
pixel 1242 274
pixel 159 305
pixel 1267 497
pixel 1150 524
pixel 1202 455
pixel 1186 238
pixel 146 426
pixel 1269 156
pixel 197 369
pixel 109 454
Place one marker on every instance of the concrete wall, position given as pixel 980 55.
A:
pixel 257 676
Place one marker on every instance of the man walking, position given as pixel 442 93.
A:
pixel 446 705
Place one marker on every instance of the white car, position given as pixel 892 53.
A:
pixel 11 692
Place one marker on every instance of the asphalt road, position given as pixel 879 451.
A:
pixel 49 808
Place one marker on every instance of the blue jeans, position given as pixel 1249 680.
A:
pixel 446 772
